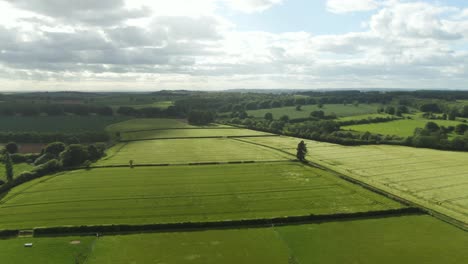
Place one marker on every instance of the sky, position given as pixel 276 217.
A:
pixel 148 45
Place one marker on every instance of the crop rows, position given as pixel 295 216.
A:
pixel 177 194
pixel 183 151
pixel 425 176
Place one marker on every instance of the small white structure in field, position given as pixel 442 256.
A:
pixel 28 244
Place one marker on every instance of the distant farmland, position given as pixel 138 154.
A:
pixel 63 124
pixel 403 128
pixel 338 109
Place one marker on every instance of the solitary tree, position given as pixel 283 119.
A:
pixel 11 148
pixel 8 167
pixel 269 116
pixel 301 151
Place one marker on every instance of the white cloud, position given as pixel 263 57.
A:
pixel 251 6
pixel 189 44
pixel 346 6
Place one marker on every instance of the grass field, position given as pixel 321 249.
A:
pixel 17 169
pixel 207 247
pixel 432 178
pixel 64 124
pixel 194 133
pixel 403 128
pixel 46 250
pixel 148 123
pixel 338 109
pixel 404 240
pixel 183 193
pixel 176 151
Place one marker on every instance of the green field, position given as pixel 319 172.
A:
pixel 177 151
pixel 404 240
pixel 17 169
pixel 194 133
pixel 432 178
pixel 207 247
pixel 63 124
pixel 183 193
pixel 338 109
pixel 402 128
pixel 363 117
pixel 148 123
pixel 46 250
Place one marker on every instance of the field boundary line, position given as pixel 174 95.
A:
pixel 226 224
pixel 207 137
pixel 208 163
pixel 178 128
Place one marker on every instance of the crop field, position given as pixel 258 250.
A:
pixel 191 133
pixel 405 240
pixel 432 178
pixel 50 124
pixel 338 109
pixel 177 151
pixel 17 169
pixel 183 193
pixel 403 128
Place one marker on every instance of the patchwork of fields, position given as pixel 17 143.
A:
pixel 338 109
pixel 402 128
pixel 183 194
pixel 432 178
pixel 255 179
pixel 404 240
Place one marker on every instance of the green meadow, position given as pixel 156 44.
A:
pixel 183 194
pixel 177 151
pixel 191 133
pixel 402 128
pixel 405 240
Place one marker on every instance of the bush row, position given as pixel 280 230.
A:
pixel 33 137
pixel 264 222
pixel 49 167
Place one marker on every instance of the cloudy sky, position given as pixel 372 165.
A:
pixel 145 45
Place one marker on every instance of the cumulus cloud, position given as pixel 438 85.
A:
pixel 346 6
pixel 189 44
pixel 102 12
